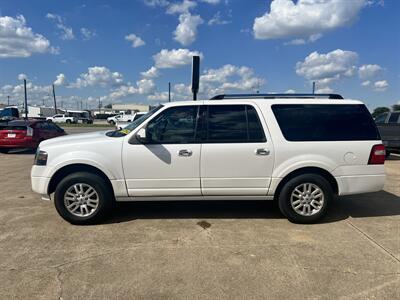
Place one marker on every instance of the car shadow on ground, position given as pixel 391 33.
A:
pixel 378 204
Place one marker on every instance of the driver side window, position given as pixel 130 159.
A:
pixel 175 125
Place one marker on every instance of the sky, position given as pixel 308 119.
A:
pixel 126 51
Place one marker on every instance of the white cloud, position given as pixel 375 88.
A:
pixel 381 86
pixel 217 20
pixel 290 91
pixel 98 76
pixel 180 8
pixel 136 41
pixel 146 86
pixel 60 80
pixel 186 32
pixel 88 34
pixel 22 76
pixel 324 90
pixel 304 18
pixel 311 39
pixel 229 78
pixel 154 3
pixel 329 67
pixel 151 73
pixel 368 71
pixel 18 40
pixel 366 83
pixel 66 32
pixel 214 2
pixel 174 58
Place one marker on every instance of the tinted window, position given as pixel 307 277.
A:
pixel 394 117
pixel 233 124
pixel 176 125
pixel 325 122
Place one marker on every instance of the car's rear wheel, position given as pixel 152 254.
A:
pixel 68 121
pixel 112 122
pixel 4 150
pixel 304 199
pixel 83 198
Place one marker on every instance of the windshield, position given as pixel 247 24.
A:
pixel 133 125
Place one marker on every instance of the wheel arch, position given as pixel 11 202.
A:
pixel 308 170
pixel 73 168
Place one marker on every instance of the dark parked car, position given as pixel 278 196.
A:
pixel 389 128
pixel 26 134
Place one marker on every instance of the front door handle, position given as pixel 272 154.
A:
pixel 262 151
pixel 185 152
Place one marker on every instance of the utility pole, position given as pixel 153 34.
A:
pixel 26 101
pixel 43 102
pixel 99 106
pixel 8 100
pixel 313 87
pixel 169 91
pixel 55 102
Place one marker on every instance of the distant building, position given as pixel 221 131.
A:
pixel 130 106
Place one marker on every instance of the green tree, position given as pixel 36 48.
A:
pixel 380 110
pixel 395 107
pixel 108 106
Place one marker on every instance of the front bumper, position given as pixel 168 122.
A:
pixel 40 185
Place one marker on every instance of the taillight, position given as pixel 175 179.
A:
pixel 29 131
pixel 377 156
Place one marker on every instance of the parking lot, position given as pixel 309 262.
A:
pixel 201 250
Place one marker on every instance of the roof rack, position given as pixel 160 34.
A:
pixel 276 96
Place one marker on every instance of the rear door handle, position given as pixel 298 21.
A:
pixel 262 151
pixel 185 152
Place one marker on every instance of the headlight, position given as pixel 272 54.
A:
pixel 40 158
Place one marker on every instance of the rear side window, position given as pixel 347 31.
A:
pixel 233 124
pixel 325 122
pixel 394 117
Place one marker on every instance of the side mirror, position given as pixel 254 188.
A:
pixel 141 135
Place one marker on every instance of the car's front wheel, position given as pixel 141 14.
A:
pixel 112 122
pixel 83 198
pixel 4 150
pixel 68 121
pixel 304 199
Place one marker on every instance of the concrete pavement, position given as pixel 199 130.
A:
pixel 197 250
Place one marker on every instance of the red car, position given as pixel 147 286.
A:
pixel 26 134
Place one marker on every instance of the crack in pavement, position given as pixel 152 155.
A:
pixel 373 241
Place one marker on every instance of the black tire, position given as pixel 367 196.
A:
pixel 387 154
pixel 68 121
pixel 4 150
pixel 50 121
pixel 104 192
pixel 112 122
pixel 284 198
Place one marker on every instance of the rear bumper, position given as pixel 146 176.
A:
pixel 358 184
pixel 18 143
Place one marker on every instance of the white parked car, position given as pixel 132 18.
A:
pixel 62 119
pixel 123 124
pixel 300 150
pixel 122 118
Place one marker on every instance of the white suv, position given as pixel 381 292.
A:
pixel 300 150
